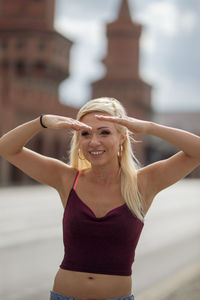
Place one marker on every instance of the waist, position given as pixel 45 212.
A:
pixel 82 285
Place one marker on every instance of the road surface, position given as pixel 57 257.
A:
pixel 31 239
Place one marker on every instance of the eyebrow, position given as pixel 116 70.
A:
pixel 99 128
pixel 103 127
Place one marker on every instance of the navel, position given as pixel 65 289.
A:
pixel 90 277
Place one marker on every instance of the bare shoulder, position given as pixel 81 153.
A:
pixel 68 175
pixel 161 174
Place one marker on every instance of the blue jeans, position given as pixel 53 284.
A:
pixel 55 296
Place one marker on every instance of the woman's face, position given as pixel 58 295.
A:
pixel 101 145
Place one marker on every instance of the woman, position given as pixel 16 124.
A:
pixel 105 197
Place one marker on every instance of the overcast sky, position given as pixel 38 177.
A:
pixel 170 48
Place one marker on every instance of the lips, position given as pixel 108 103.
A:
pixel 96 153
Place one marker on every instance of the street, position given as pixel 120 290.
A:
pixel 31 246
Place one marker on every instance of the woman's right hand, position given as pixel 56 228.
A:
pixel 60 122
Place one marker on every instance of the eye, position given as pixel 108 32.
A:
pixel 105 132
pixel 84 133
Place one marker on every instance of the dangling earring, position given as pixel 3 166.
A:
pixel 79 155
pixel 121 149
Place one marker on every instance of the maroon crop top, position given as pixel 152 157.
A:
pixel 104 245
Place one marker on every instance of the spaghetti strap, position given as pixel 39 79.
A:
pixel 76 179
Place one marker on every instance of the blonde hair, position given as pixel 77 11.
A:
pixel 128 162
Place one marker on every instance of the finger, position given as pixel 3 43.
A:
pixel 105 117
pixel 84 126
pixel 79 125
pixel 118 120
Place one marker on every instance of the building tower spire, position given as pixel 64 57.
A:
pixel 123 35
pixel 122 79
pixel 124 13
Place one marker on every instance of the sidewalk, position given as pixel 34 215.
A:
pixel 183 285
pixel 187 291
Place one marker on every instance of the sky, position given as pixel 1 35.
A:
pixel 169 47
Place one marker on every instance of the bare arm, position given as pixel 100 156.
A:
pixel 43 169
pixel 161 174
pixel 187 142
pixel 12 142
pixel 164 173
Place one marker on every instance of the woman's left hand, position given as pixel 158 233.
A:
pixel 134 125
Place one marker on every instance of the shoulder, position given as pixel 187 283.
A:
pixel 68 175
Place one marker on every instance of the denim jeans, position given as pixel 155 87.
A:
pixel 55 296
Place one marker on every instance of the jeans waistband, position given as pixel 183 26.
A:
pixel 55 296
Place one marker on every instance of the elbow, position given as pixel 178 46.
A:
pixel 195 158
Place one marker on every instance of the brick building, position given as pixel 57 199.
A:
pixel 122 79
pixel 34 59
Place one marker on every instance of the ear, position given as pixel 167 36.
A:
pixel 122 138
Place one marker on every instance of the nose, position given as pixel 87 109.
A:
pixel 94 140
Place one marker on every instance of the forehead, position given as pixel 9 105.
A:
pixel 92 121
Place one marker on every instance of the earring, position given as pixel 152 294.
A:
pixel 79 155
pixel 121 149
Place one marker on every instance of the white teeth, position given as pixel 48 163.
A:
pixel 97 153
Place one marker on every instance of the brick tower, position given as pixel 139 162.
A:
pixel 122 79
pixel 34 59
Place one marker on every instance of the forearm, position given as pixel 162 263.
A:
pixel 13 141
pixel 187 142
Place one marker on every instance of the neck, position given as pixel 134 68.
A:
pixel 106 175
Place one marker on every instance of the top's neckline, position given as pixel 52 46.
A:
pixel 110 211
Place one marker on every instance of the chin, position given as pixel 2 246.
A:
pixel 98 162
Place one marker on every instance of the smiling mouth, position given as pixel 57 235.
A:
pixel 96 153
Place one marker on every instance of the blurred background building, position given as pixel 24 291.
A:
pixel 34 60
pixel 122 79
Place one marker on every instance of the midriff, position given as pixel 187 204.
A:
pixel 90 286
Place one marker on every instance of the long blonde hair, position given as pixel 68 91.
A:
pixel 128 162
